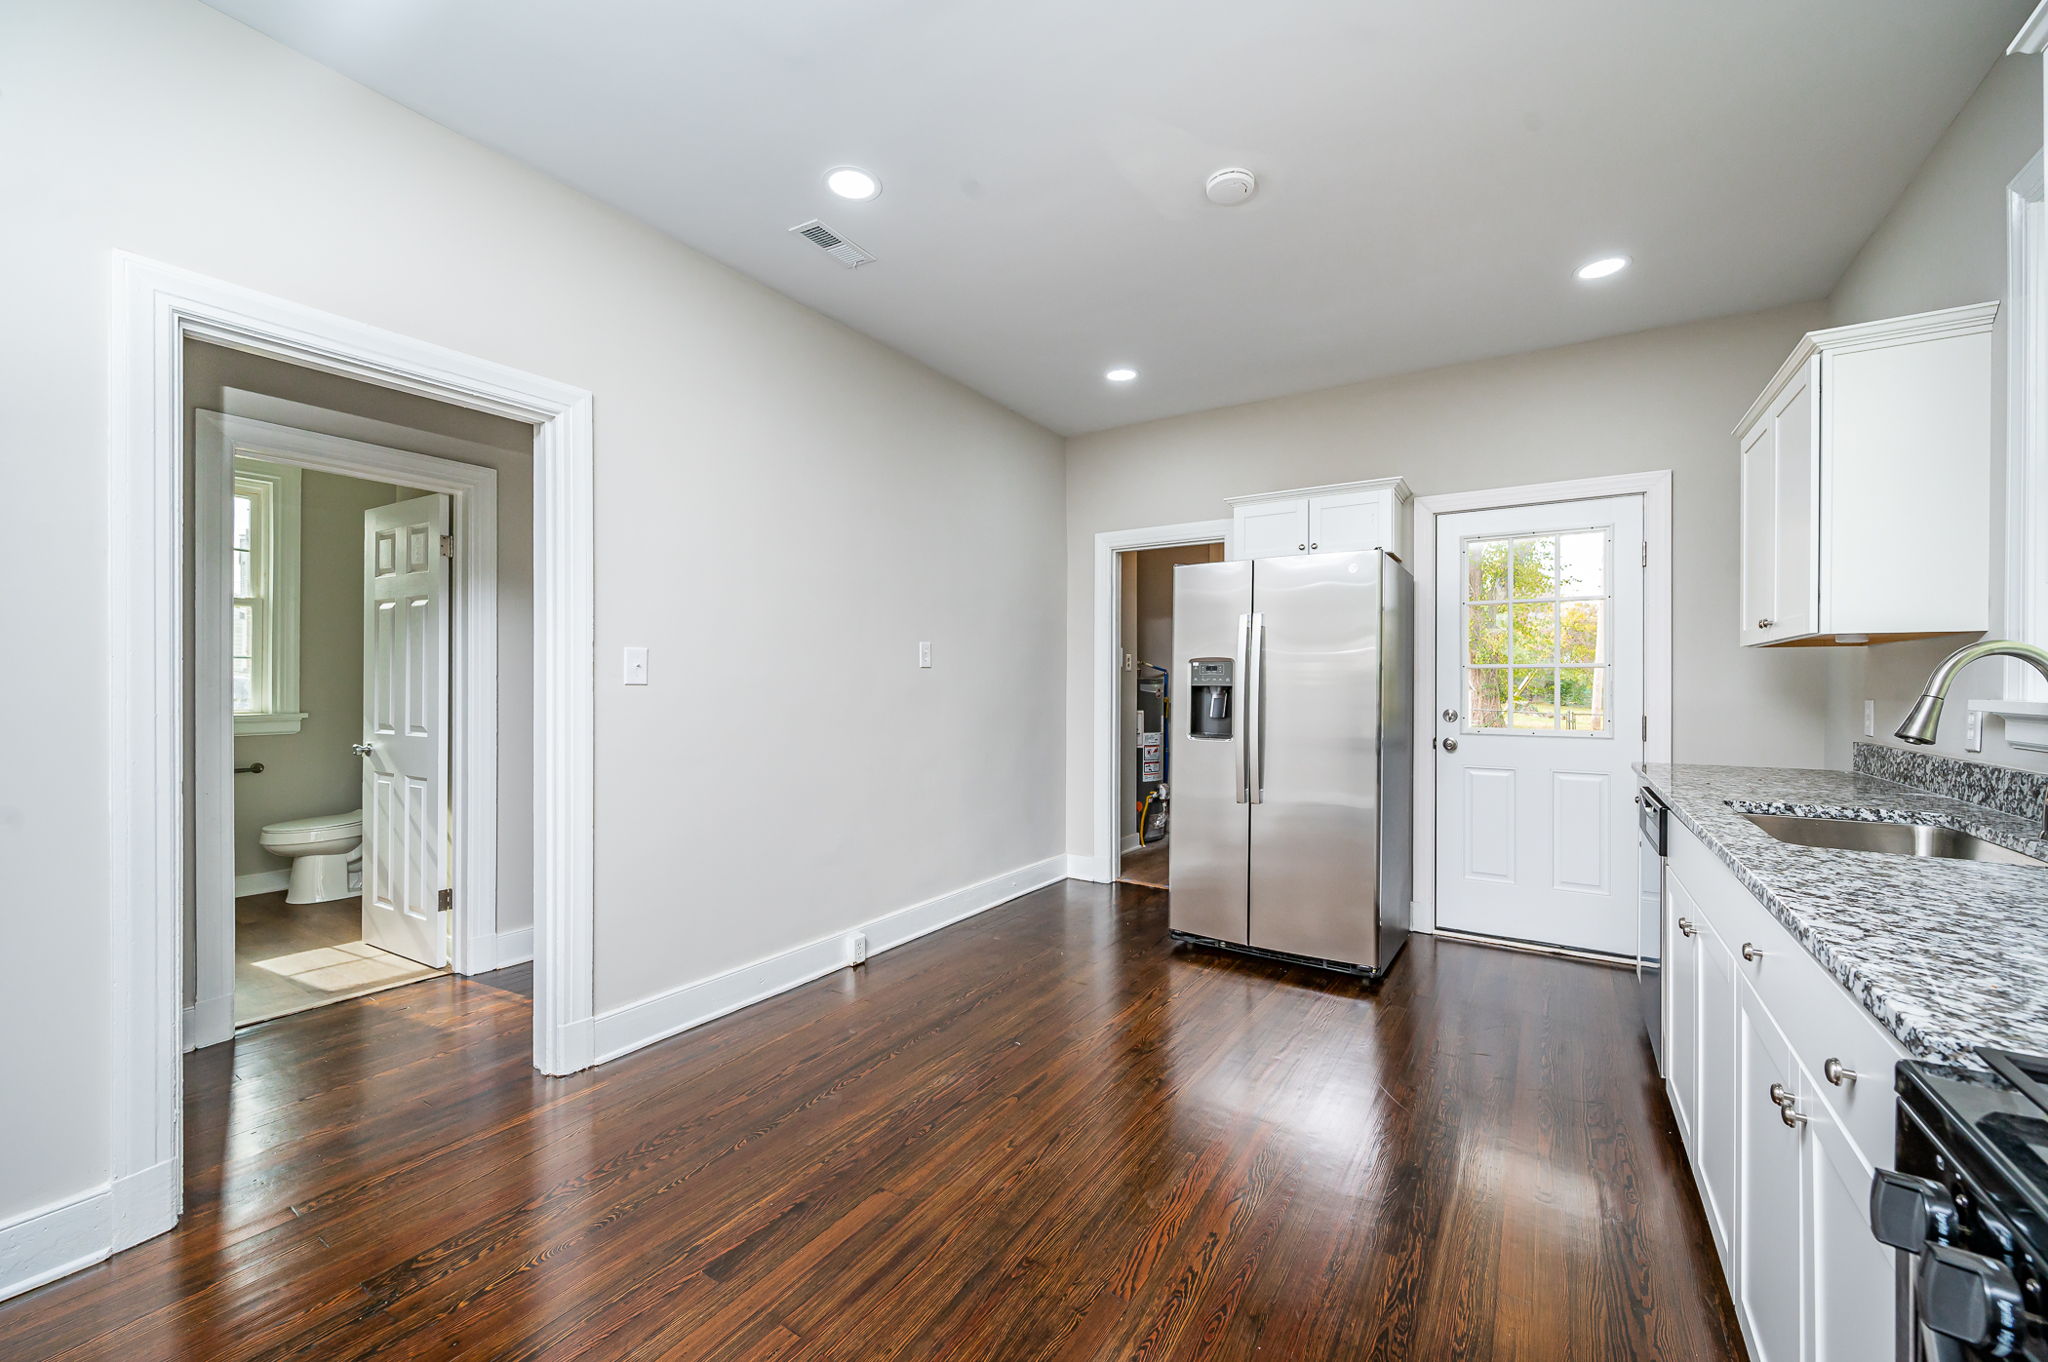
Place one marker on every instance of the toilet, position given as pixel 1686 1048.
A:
pixel 323 850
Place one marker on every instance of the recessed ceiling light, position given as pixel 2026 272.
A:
pixel 1601 268
pixel 851 182
pixel 1121 375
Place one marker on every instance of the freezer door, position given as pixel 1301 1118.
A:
pixel 1205 873
pixel 1315 832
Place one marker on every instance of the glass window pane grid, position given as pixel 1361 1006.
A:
pixel 1503 575
pixel 250 549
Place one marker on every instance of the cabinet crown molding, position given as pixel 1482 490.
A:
pixel 2033 35
pixel 1400 486
pixel 1943 324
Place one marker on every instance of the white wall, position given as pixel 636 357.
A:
pixel 776 496
pixel 1657 399
pixel 1943 244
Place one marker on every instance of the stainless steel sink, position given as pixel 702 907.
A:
pixel 1897 839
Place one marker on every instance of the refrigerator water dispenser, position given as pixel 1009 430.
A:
pixel 1210 682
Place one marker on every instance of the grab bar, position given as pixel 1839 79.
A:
pixel 254 768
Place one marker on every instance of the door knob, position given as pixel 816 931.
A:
pixel 1450 744
pixel 361 749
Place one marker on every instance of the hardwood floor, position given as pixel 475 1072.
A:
pixel 1146 866
pixel 1039 1134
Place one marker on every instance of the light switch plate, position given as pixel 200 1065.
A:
pixel 1870 718
pixel 924 654
pixel 636 666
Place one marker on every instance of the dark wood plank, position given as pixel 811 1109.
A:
pixel 1043 1133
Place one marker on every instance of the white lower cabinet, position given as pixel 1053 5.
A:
pixel 1852 1273
pixel 1781 1155
pixel 1769 1290
pixel 1714 1111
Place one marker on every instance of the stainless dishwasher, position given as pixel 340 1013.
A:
pixel 1653 822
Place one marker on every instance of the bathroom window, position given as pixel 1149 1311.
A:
pixel 263 633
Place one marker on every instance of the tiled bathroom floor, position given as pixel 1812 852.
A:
pixel 289 957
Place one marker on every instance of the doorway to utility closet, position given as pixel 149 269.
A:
pixel 1146 695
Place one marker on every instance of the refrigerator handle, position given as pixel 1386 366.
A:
pixel 1254 707
pixel 1238 736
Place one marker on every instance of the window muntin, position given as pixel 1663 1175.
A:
pixel 1536 610
pixel 263 586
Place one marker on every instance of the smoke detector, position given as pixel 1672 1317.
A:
pixel 833 244
pixel 1233 186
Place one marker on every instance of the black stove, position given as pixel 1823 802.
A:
pixel 1970 1200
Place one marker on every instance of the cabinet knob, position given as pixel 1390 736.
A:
pixel 1782 1097
pixel 1314 546
pixel 1765 624
pixel 1301 548
pixel 1838 1073
pixel 1750 952
pixel 1686 927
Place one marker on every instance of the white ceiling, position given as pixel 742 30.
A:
pixel 1430 170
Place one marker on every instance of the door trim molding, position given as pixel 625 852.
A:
pixel 473 685
pixel 156 308
pixel 1655 490
pixel 1105 858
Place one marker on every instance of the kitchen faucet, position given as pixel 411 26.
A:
pixel 1925 717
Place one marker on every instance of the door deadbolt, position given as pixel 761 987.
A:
pixel 1450 716
pixel 1450 744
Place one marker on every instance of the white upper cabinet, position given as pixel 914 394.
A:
pixel 1358 515
pixel 1866 484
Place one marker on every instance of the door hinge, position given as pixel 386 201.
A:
pixel 447 899
pixel 1646 552
pixel 1646 730
pixel 447 546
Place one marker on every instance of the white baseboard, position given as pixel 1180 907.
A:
pixel 628 1028
pixel 55 1240
pixel 209 1021
pixel 147 1203
pixel 499 950
pixel 1132 841
pixel 1090 868
pixel 262 882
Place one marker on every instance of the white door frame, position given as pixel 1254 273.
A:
pixel 156 309
pixel 473 691
pixel 1655 490
pixel 1107 861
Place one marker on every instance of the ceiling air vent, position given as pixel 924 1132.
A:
pixel 833 244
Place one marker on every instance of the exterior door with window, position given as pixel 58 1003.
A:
pixel 405 727
pixel 1539 720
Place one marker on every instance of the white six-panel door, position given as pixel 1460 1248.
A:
pixel 1538 721
pixel 405 727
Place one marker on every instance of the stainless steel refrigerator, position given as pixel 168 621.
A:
pixel 1292 757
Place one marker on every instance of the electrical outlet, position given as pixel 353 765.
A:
pixel 1870 718
pixel 856 948
pixel 1973 731
pixel 924 654
pixel 636 666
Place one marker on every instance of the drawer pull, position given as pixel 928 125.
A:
pixel 1686 928
pixel 1839 1073
pixel 1750 952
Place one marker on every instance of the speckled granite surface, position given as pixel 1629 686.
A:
pixel 1946 954
pixel 2004 788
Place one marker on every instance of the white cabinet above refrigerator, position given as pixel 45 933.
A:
pixel 1345 517
pixel 1866 484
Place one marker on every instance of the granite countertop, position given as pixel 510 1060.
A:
pixel 1946 954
